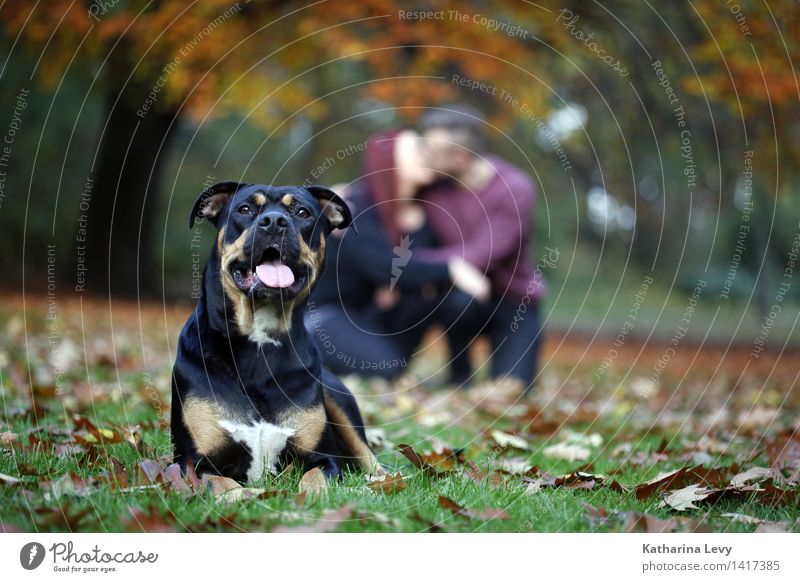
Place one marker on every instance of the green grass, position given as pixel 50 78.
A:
pixel 113 394
pixel 414 509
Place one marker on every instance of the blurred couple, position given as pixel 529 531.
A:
pixel 442 237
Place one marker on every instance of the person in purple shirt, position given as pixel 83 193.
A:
pixel 481 210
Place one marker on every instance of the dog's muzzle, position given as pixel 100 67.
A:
pixel 272 275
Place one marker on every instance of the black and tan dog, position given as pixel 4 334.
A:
pixel 248 389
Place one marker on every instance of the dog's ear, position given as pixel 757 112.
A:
pixel 333 206
pixel 212 200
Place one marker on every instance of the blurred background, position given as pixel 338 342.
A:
pixel 663 140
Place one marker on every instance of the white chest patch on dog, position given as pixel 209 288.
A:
pixel 266 326
pixel 266 442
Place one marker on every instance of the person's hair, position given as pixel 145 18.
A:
pixel 463 122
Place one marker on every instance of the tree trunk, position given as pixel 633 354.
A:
pixel 119 257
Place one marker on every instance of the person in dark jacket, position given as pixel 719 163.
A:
pixel 376 298
pixel 482 211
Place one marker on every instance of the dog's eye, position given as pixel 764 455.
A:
pixel 303 213
pixel 245 209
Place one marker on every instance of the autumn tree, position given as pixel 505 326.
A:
pixel 158 62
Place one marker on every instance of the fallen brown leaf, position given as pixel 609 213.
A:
pixel 567 452
pixel 243 493
pixel 493 479
pixel 9 480
pixel 783 451
pixel 389 484
pixel 574 480
pixel 641 522
pixel 62 517
pixel 329 521
pixel 435 464
pixel 8 438
pixel 432 526
pixel 68 484
pixel 756 474
pixel 506 440
pixel 685 498
pixel 68 449
pixel 149 471
pixel 683 477
pixel 117 474
pixel 772 527
pixel 764 526
pixel 771 495
pixel 219 485
pixel 172 475
pixel 480 514
pixel 149 521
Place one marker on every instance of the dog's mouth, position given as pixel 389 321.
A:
pixel 270 276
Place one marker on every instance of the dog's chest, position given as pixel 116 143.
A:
pixel 298 429
pixel 266 442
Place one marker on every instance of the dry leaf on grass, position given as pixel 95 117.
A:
pixel 784 450
pixel 149 521
pixel 436 464
pixel 512 465
pixel 574 480
pixel 68 484
pixel 774 496
pixel 479 514
pixel 243 493
pixel 586 439
pixel 9 480
pixel 764 525
pixel 219 485
pixel 117 475
pixel 772 527
pixel 389 484
pixel 716 477
pixel 149 471
pixel 493 480
pixel 756 474
pixel 8 438
pixel 641 522
pixel 685 498
pixel 173 476
pixel 505 440
pixel 567 452
pixel 63 516
pixel 329 521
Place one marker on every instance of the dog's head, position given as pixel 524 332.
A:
pixel 271 241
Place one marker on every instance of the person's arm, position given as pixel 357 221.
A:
pixel 499 236
pixel 370 254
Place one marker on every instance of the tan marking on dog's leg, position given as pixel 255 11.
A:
pixel 287 200
pixel 308 425
pixel 358 449
pixel 201 418
pixel 260 198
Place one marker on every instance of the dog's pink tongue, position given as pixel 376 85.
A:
pixel 275 274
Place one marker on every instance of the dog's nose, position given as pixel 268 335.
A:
pixel 274 222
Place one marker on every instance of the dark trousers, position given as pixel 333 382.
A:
pixel 512 326
pixel 366 340
pixel 371 342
